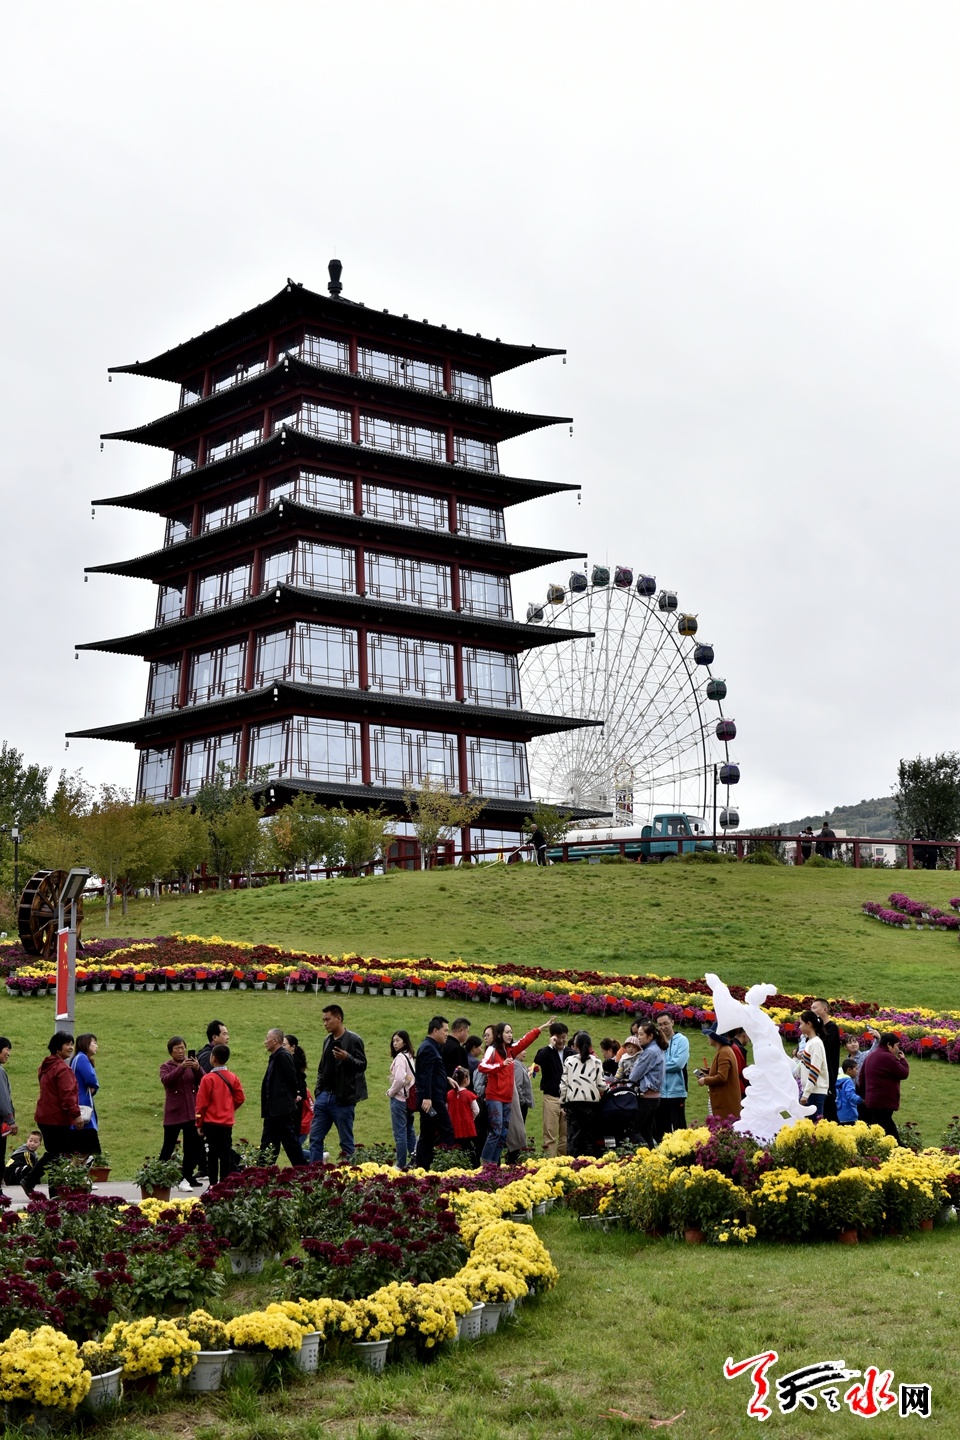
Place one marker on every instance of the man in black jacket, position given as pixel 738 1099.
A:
pixel 278 1101
pixel 831 1045
pixel 432 1087
pixel 549 1060
pixel 455 1056
pixel 216 1035
pixel 341 1084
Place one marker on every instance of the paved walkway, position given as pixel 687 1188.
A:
pixel 124 1188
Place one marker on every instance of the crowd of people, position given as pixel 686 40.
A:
pixel 471 1093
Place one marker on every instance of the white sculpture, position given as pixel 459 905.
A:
pixel 772 1099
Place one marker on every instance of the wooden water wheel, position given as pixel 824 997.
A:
pixel 38 913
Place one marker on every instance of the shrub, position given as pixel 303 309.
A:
pixel 699 1197
pixel 782 1204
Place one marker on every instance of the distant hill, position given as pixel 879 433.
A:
pixel 870 817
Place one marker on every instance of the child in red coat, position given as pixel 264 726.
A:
pixel 463 1108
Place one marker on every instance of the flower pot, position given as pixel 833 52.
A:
pixel 258 1360
pixel 155 1192
pixel 31 1419
pixel 269 984
pixel 330 989
pixel 96 987
pixel 99 1174
pixel 490 1319
pixel 495 999
pixel 372 1353
pixel 243 1264
pixel 150 986
pixel 421 994
pixel 173 984
pixel 508 1308
pixel 122 986
pixel 692 1236
pixel 470 1329
pixel 410 994
pixel 388 989
pixel 610 1222
pixel 475 999
pixel 589 1222
pixel 225 984
pixel 138 984
pixel 848 1237
pixel 302 988
pixel 258 984
pixel 208 1372
pixel 241 985
pixel 927 1224
pixel 540 1208
pixel 104 1390
pixel 550 1203
pixel 345 990
pixel 308 1356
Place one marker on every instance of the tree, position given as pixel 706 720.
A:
pixel 186 840
pixel 238 839
pixel 23 789
pixel 110 839
pixel 437 814
pixel 214 801
pixel 305 832
pixel 366 837
pixel 55 842
pixel 550 819
pixel 927 796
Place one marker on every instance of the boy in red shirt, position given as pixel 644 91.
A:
pixel 219 1097
pixel 463 1108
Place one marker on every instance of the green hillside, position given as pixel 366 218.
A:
pixel 871 817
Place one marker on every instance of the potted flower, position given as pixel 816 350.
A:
pixel 386 982
pixel 307 1358
pixel 259 1337
pixel 259 979
pixel 100 1169
pixel 150 1348
pixel 41 1375
pixel 215 1351
pixel 372 1325
pixel 172 978
pixel 157 1178
pixel 698 1197
pixel 496 1288
pixel 105 1366
pixel 256 1218
pixel 496 994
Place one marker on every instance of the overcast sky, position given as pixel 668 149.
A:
pixel 741 220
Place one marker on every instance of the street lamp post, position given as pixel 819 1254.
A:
pixel 67 946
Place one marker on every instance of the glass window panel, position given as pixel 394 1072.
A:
pixel 314 419
pixel 179 527
pixel 202 757
pixel 478 454
pixel 308 748
pixel 407 580
pixel 191 390
pixel 231 372
pixel 216 672
pixel 406 507
pixel 401 757
pixel 230 508
pixel 313 654
pixel 482 593
pixel 401 665
pixel 163 687
pixel 223 587
pixel 155 774
pixel 498 767
pixel 483 521
pixel 490 677
pixel 402 438
pixel 315 349
pixel 185 458
pixel 231 442
pixel 321 492
pixel 171 603
pixel 416 373
pixel 466 385
pixel 312 566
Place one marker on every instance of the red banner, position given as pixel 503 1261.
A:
pixel 63 975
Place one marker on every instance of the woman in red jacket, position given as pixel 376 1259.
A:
pixel 497 1066
pixel 58 1110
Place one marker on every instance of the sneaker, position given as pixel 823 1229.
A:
pixel 89 1162
pixel 185 1185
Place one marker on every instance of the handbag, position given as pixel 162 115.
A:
pixel 412 1101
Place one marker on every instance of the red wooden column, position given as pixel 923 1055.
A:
pixel 262 494
pixel 358 495
pixel 353 355
pixel 361 571
pixel 201 451
pixel 362 667
pixel 271 352
pixel 466 844
pixel 451 452
pixel 207 381
pixel 458 669
pixel 244 747
pixel 265 424
pixel 248 669
pixel 856 854
pixel 447 377
pixel 909 856
pixel 256 569
pixel 355 424
pixel 191 593
pixel 455 584
pixel 197 519
pixel 462 762
pixel 177 768
pixel 452 520
pixel 366 770
pixel 184 680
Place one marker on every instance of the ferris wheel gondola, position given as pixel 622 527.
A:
pixel 665 741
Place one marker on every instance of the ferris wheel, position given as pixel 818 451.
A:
pixel 665 742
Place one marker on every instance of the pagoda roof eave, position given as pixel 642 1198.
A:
pixel 290 376
pixel 276 697
pixel 294 445
pixel 341 608
pixel 499 810
pixel 295 303
pixel 288 516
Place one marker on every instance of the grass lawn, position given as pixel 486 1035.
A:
pixel 799 929
pixel 638 1325
pixel 133 1029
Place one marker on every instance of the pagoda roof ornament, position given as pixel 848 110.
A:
pixel 336 270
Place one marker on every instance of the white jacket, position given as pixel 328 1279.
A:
pixel 582 1080
pixel 811 1066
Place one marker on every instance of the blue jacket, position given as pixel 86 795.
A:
pixel 847 1110
pixel 87 1084
pixel 649 1070
pixel 676 1056
pixel 431 1077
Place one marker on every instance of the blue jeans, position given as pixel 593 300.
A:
pixel 498 1117
pixel 817 1100
pixel 327 1112
pixel 403 1132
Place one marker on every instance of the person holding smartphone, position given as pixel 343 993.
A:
pixel 180 1078
pixel 879 1083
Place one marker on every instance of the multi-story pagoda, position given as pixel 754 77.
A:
pixel 333 589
